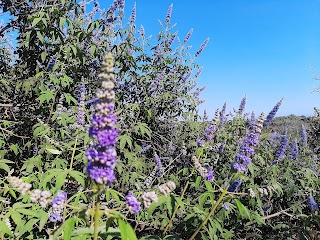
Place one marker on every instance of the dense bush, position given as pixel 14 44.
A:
pixel 129 156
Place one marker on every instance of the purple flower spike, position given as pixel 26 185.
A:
pixel 312 204
pixel 103 156
pixel 133 204
pixel 272 114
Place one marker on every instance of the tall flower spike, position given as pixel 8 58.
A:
pixel 272 114
pixel 242 105
pixel 203 45
pixel 169 12
pixel 102 157
pixel 186 39
pixel 304 136
pixel 222 113
pixel 132 18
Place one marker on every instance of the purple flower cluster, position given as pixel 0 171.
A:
pixel 208 134
pixel 57 207
pixel 169 12
pixel 283 146
pixel 132 203
pixel 234 186
pixel 81 113
pixel 271 115
pixel 242 105
pixel 102 156
pixel 294 150
pixel 132 17
pixel 222 116
pixel 304 136
pixel 312 204
pixel 186 39
pixel 51 63
pixel 243 158
pixel 203 45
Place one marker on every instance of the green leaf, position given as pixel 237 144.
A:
pixel 43 56
pixel 16 217
pixel 93 49
pixel 126 230
pixel 78 176
pixel 60 180
pixel 28 226
pixel 4 228
pixel 244 213
pixel 40 36
pixel 53 151
pixel 124 139
pixel 35 21
pixel 69 225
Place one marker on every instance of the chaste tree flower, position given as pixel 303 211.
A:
pixel 272 114
pixel 132 203
pixel 102 156
pixel 312 204
pixel 243 158
pixel 57 207
pixel 304 136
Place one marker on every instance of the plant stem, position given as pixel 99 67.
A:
pixel 73 153
pixel 96 220
pixel 209 215
pixel 175 209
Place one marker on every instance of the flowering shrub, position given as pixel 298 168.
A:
pixel 131 157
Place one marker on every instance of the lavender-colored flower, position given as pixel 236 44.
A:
pixel 51 63
pixel 205 115
pixel 171 40
pixel 222 116
pixel 203 45
pixel 242 105
pixel 226 206
pixel 156 82
pixel 145 149
pixel 283 146
pixel 102 157
pixel 186 77
pixel 312 204
pixel 132 18
pixel 304 136
pixel 200 142
pixel 55 217
pixel 186 39
pixel 271 115
pixel 169 12
pixel 157 160
pixel 141 32
pixel 81 100
pixel 198 73
pixel 208 134
pixel 265 208
pixel 57 207
pixel 243 158
pixel 132 203
pixel 235 186
pixel 210 175
pixel 252 119
pixel 294 151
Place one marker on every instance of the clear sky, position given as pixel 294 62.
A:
pixel 261 49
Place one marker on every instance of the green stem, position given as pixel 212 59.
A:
pixel 175 209
pixel 209 215
pixel 96 220
pixel 73 153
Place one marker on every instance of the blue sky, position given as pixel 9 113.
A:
pixel 261 49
